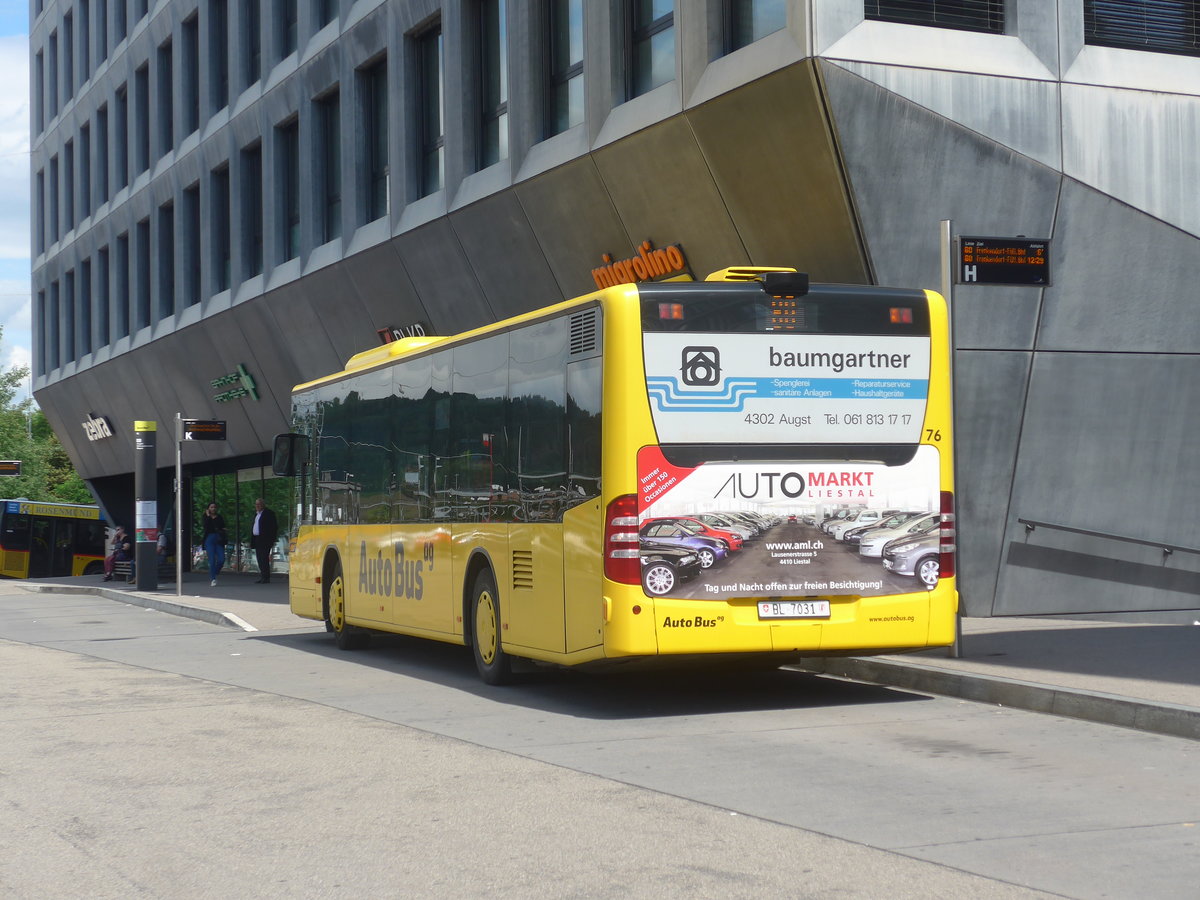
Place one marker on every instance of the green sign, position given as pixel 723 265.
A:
pixel 240 384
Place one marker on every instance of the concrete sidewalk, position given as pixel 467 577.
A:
pixel 1142 676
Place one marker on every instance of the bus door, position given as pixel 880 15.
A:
pixel 44 547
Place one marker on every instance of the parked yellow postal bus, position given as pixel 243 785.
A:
pixel 46 540
pixel 640 472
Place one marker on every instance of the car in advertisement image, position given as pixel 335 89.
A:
pixel 854 536
pixel 873 542
pixel 664 567
pixel 862 517
pixel 708 550
pixel 917 556
pixel 731 539
pixel 716 520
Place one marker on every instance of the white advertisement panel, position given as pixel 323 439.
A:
pixel 783 387
pixel 782 553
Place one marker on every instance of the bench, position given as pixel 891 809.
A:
pixel 166 570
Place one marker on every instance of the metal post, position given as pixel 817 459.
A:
pixel 145 514
pixel 178 505
pixel 946 240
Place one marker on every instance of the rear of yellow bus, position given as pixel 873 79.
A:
pixel 765 406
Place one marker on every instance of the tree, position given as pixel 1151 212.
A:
pixel 26 435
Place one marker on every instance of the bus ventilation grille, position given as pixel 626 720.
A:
pixel 583 332
pixel 522 570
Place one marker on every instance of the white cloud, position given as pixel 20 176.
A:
pixel 14 147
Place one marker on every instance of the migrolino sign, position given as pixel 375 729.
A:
pixel 647 264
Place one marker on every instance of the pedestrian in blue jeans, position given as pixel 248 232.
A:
pixel 214 541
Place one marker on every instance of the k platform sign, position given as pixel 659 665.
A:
pixel 203 429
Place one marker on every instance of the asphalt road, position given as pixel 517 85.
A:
pixel 149 755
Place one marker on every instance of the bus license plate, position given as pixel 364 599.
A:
pixel 793 609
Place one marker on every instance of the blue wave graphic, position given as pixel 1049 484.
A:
pixel 670 396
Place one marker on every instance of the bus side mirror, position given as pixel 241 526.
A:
pixel 290 455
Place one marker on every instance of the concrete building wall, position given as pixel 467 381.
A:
pixel 835 144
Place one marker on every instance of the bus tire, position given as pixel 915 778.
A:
pixel 927 571
pixel 94 568
pixel 494 665
pixel 345 636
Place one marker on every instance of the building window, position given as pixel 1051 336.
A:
pixel 166 260
pixel 218 53
pixel 373 100
pixel 329 165
pixel 52 320
pixel 39 224
pixel 747 21
pixel 493 82
pixel 324 12
pixel 1162 26
pixel 85 41
pixel 103 295
pixel 285 16
pixel 141 119
pixel 564 75
pixel 52 74
pixel 68 56
pixel 84 329
pixel 252 43
pixel 68 185
pixel 121 285
pixel 221 234
pixel 430 106
pixel 70 317
pixel 39 323
pixel 39 93
pixel 53 199
pixel 962 15
pixel 651 45
pixel 166 101
pixel 140 9
pixel 85 171
pixel 141 292
pixel 191 75
pixel 191 245
pixel 252 210
pixel 287 144
pixel 102 154
pixel 121 136
pixel 102 29
pixel 120 21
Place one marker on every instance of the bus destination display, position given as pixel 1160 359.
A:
pixel 989 260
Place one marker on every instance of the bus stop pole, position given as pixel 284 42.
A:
pixel 178 505
pixel 947 251
pixel 145 512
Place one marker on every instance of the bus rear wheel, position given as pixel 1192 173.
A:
pixel 345 636
pixel 494 665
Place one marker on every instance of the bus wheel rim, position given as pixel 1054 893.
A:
pixel 485 627
pixel 337 604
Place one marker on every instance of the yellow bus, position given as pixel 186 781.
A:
pixel 640 472
pixel 49 540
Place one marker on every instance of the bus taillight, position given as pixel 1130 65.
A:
pixel 622 561
pixel 946 545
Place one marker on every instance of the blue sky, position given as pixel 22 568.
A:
pixel 14 184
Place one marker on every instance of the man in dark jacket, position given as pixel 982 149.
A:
pixel 263 532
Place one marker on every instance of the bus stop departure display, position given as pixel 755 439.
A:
pixel 986 260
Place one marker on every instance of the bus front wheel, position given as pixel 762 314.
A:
pixel 494 665
pixel 345 636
